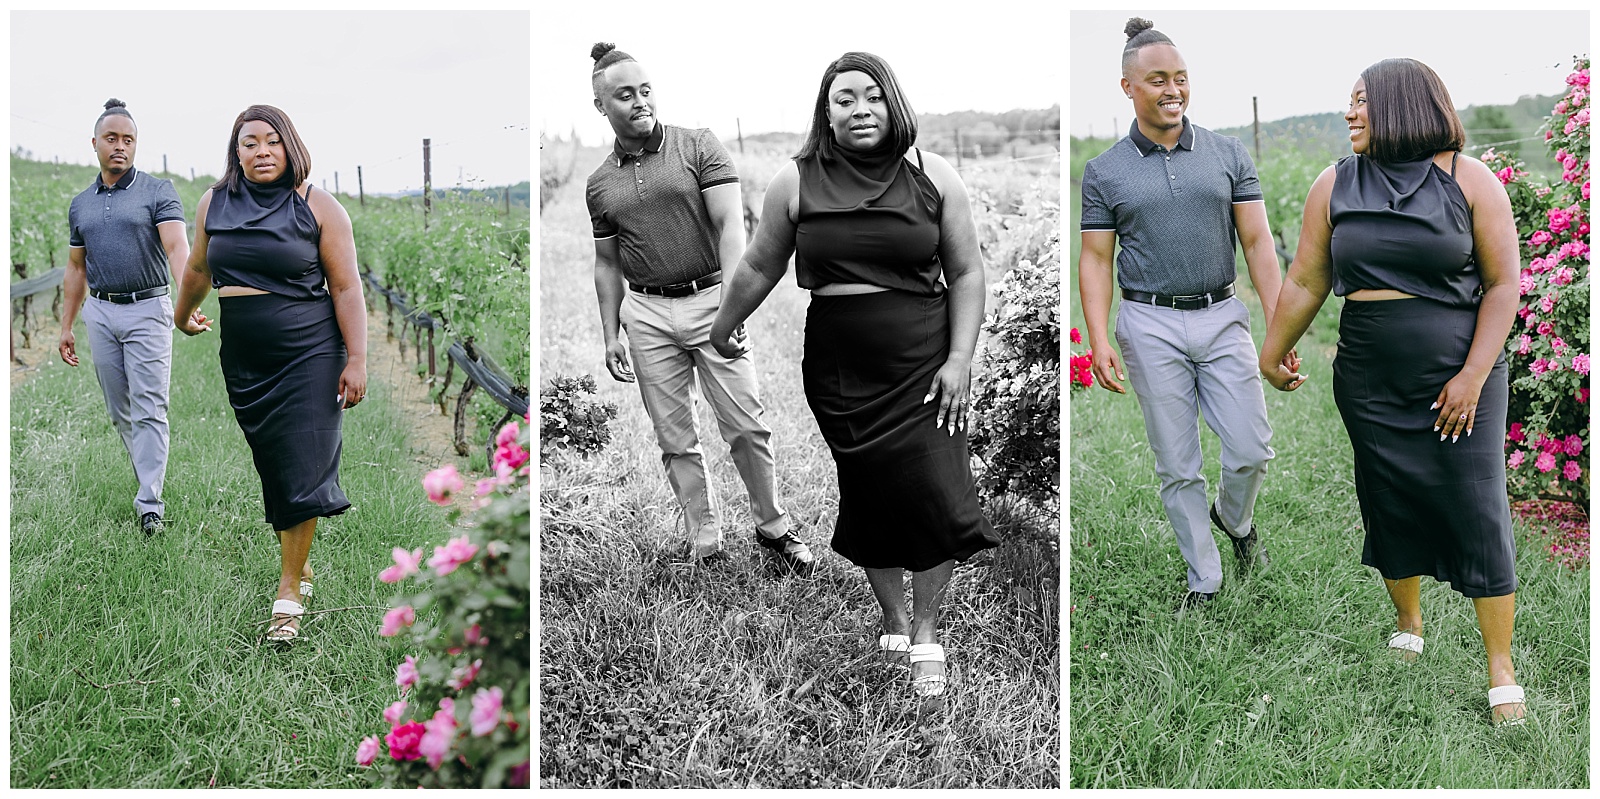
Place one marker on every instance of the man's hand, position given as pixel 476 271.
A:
pixel 617 362
pixel 1104 364
pixel 196 324
pixel 68 347
pixel 733 346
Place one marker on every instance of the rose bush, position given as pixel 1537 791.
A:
pixel 1548 437
pixel 462 718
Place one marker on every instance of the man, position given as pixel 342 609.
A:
pixel 128 241
pixel 668 219
pixel 1177 195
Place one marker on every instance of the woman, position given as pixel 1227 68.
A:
pixel 873 223
pixel 1421 241
pixel 282 257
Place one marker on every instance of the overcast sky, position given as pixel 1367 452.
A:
pixel 1306 62
pixel 724 65
pixel 362 88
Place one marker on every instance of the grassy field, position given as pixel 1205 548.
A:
pixel 656 673
pixel 1284 680
pixel 138 663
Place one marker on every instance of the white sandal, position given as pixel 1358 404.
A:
pixel 1508 695
pixel 894 647
pixel 1406 641
pixel 928 684
pixel 282 632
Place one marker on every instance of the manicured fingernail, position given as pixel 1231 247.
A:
pixel 1455 438
pixel 925 399
pixel 1433 407
pixel 1436 429
pixel 1441 435
pixel 1469 431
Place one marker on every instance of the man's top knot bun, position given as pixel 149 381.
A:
pixel 1137 26
pixel 599 50
pixel 115 103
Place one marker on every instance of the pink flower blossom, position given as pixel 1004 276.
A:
pixel 455 552
pixel 1572 471
pixel 1573 445
pixel 462 676
pixel 1580 363
pixel 1582 117
pixel 1563 276
pixel 1558 344
pixel 1572 125
pixel 1077 338
pixel 1554 365
pixel 368 750
pixel 1547 303
pixel 395 619
pixel 1515 433
pixel 1537 367
pixel 508 454
pixel 1545 462
pixel 404 740
pixel 1528 282
pixel 485 715
pixel 405 565
pixel 1505 176
pixel 1586 190
pixel 1583 393
pixel 1544 328
pixel 438 733
pixel 442 483
pixel 1545 443
pixel 406 675
pixel 1516 459
pixel 1524 344
pixel 1539 238
pixel 393 713
pixel 475 636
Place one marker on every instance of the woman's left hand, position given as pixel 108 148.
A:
pixel 353 384
pixel 950 385
pixel 1458 406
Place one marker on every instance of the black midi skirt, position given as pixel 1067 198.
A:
pixel 1428 506
pixel 281 360
pixel 906 495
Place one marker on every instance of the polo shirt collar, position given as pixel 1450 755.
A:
pixel 652 144
pixel 1185 139
pixel 122 183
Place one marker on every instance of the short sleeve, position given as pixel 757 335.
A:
pixel 1246 186
pixel 168 208
pixel 715 166
pixel 1097 212
pixel 74 235
pixel 602 225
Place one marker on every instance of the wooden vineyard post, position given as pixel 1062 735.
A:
pixel 462 402
pixel 361 188
pixel 430 355
pixel 427 181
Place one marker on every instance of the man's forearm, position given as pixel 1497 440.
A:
pixel 1261 260
pixel 608 288
pixel 1094 293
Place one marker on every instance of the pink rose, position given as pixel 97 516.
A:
pixel 1580 364
pixel 1554 365
pixel 1582 117
pixel 1586 190
pixel 1504 175
pixel 1545 462
pixel 369 749
pixel 455 552
pixel 462 676
pixel 406 675
pixel 1539 238
pixel 1573 445
pixel 1516 459
pixel 1563 276
pixel 1524 344
pixel 1537 367
pixel 441 483
pixel 405 565
pixel 1567 129
pixel 1572 471
pixel 1558 345
pixel 1515 433
pixel 1528 283
pixel 485 715
pixel 404 740
pixel 394 620
pixel 393 713
pixel 1547 303
pixel 475 636
pixel 1077 338
pixel 1583 393
pixel 438 733
pixel 1544 328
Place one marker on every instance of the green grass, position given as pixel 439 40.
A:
pixel 1156 702
pixel 656 673
pixel 180 612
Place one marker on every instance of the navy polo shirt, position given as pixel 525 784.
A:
pixel 651 204
pixel 1172 210
pixel 116 227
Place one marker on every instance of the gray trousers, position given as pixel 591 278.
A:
pixel 1184 364
pixel 132 351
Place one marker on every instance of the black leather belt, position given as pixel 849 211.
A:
pixel 680 289
pixel 1181 302
pixel 132 296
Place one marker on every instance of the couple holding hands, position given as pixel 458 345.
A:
pixel 1420 241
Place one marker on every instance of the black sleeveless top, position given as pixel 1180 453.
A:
pixel 867 222
pixel 264 236
pixel 1404 226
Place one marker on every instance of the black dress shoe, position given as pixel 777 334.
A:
pixel 1248 550
pixel 794 556
pixel 1194 600
pixel 151 523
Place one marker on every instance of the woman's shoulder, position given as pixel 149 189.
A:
pixel 944 176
